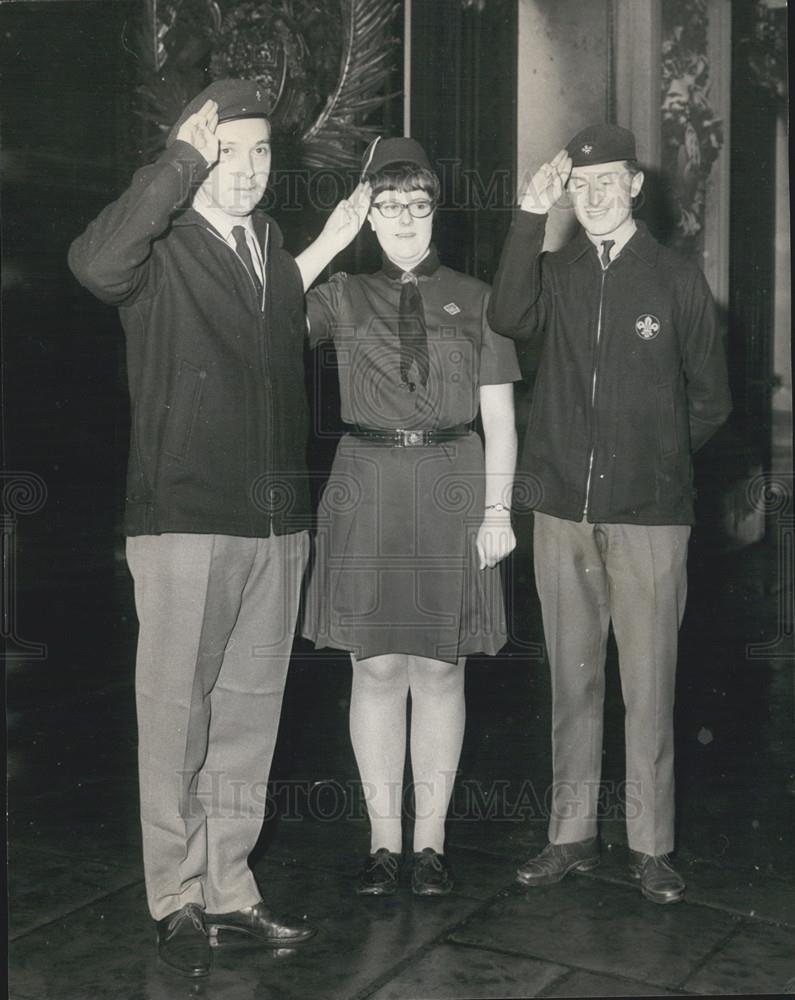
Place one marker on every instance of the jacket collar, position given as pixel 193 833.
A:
pixel 642 245
pixel 262 222
pixel 577 247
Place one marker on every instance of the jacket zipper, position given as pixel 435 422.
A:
pixel 263 354
pixel 593 391
pixel 266 377
pixel 265 256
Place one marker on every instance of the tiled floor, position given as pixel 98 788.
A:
pixel 79 924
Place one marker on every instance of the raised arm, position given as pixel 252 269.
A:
pixel 517 309
pixel 112 257
pixel 340 229
pixel 495 538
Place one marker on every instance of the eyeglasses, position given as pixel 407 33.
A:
pixel 394 209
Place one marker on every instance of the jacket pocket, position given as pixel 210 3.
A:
pixel 184 410
pixel 666 421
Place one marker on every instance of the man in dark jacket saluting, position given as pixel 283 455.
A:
pixel 632 379
pixel 217 500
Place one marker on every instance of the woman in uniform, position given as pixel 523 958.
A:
pixel 414 517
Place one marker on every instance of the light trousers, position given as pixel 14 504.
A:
pixel 216 621
pixel 588 575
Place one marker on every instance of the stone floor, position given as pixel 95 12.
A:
pixel 79 924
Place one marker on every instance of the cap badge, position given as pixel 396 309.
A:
pixel 647 326
pixel 587 149
pixel 451 308
pixel 259 97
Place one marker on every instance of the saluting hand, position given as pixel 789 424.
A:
pixel 547 185
pixel 348 217
pixel 199 130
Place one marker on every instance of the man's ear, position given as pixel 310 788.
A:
pixel 637 184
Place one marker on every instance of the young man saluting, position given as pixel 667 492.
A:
pixel 217 503
pixel 632 380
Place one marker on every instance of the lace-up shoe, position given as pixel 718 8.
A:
pixel 257 922
pixel 380 874
pixel 557 860
pixel 659 881
pixel 182 942
pixel 431 875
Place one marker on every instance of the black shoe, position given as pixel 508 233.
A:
pixel 259 922
pixel 182 942
pixel 380 874
pixel 557 860
pixel 431 874
pixel 659 882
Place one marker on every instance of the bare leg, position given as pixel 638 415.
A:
pixel 378 734
pixel 438 716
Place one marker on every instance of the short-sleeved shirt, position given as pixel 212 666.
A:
pixel 360 314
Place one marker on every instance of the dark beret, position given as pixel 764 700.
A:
pixel 381 152
pixel 235 99
pixel 601 144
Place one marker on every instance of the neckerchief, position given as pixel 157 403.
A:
pixel 412 333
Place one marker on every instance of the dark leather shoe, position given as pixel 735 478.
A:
pixel 182 942
pixel 380 875
pixel 659 881
pixel 557 860
pixel 431 875
pixel 258 922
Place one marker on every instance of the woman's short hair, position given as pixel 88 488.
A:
pixel 405 176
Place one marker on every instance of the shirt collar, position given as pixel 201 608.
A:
pixel 620 237
pixel 222 222
pixel 641 243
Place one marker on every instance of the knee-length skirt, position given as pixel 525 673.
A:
pixel 395 564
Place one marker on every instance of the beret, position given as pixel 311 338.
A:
pixel 381 152
pixel 601 144
pixel 235 99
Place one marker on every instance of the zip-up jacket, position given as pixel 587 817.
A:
pixel 632 374
pixel 216 374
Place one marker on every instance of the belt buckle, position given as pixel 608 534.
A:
pixel 410 439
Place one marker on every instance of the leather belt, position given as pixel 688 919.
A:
pixel 401 438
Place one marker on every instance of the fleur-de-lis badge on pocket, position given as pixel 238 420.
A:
pixel 647 326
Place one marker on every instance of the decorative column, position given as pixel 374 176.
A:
pixel 564 82
pixel 637 34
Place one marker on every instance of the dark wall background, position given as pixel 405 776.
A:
pixel 68 142
pixel 463 110
pixel 752 246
